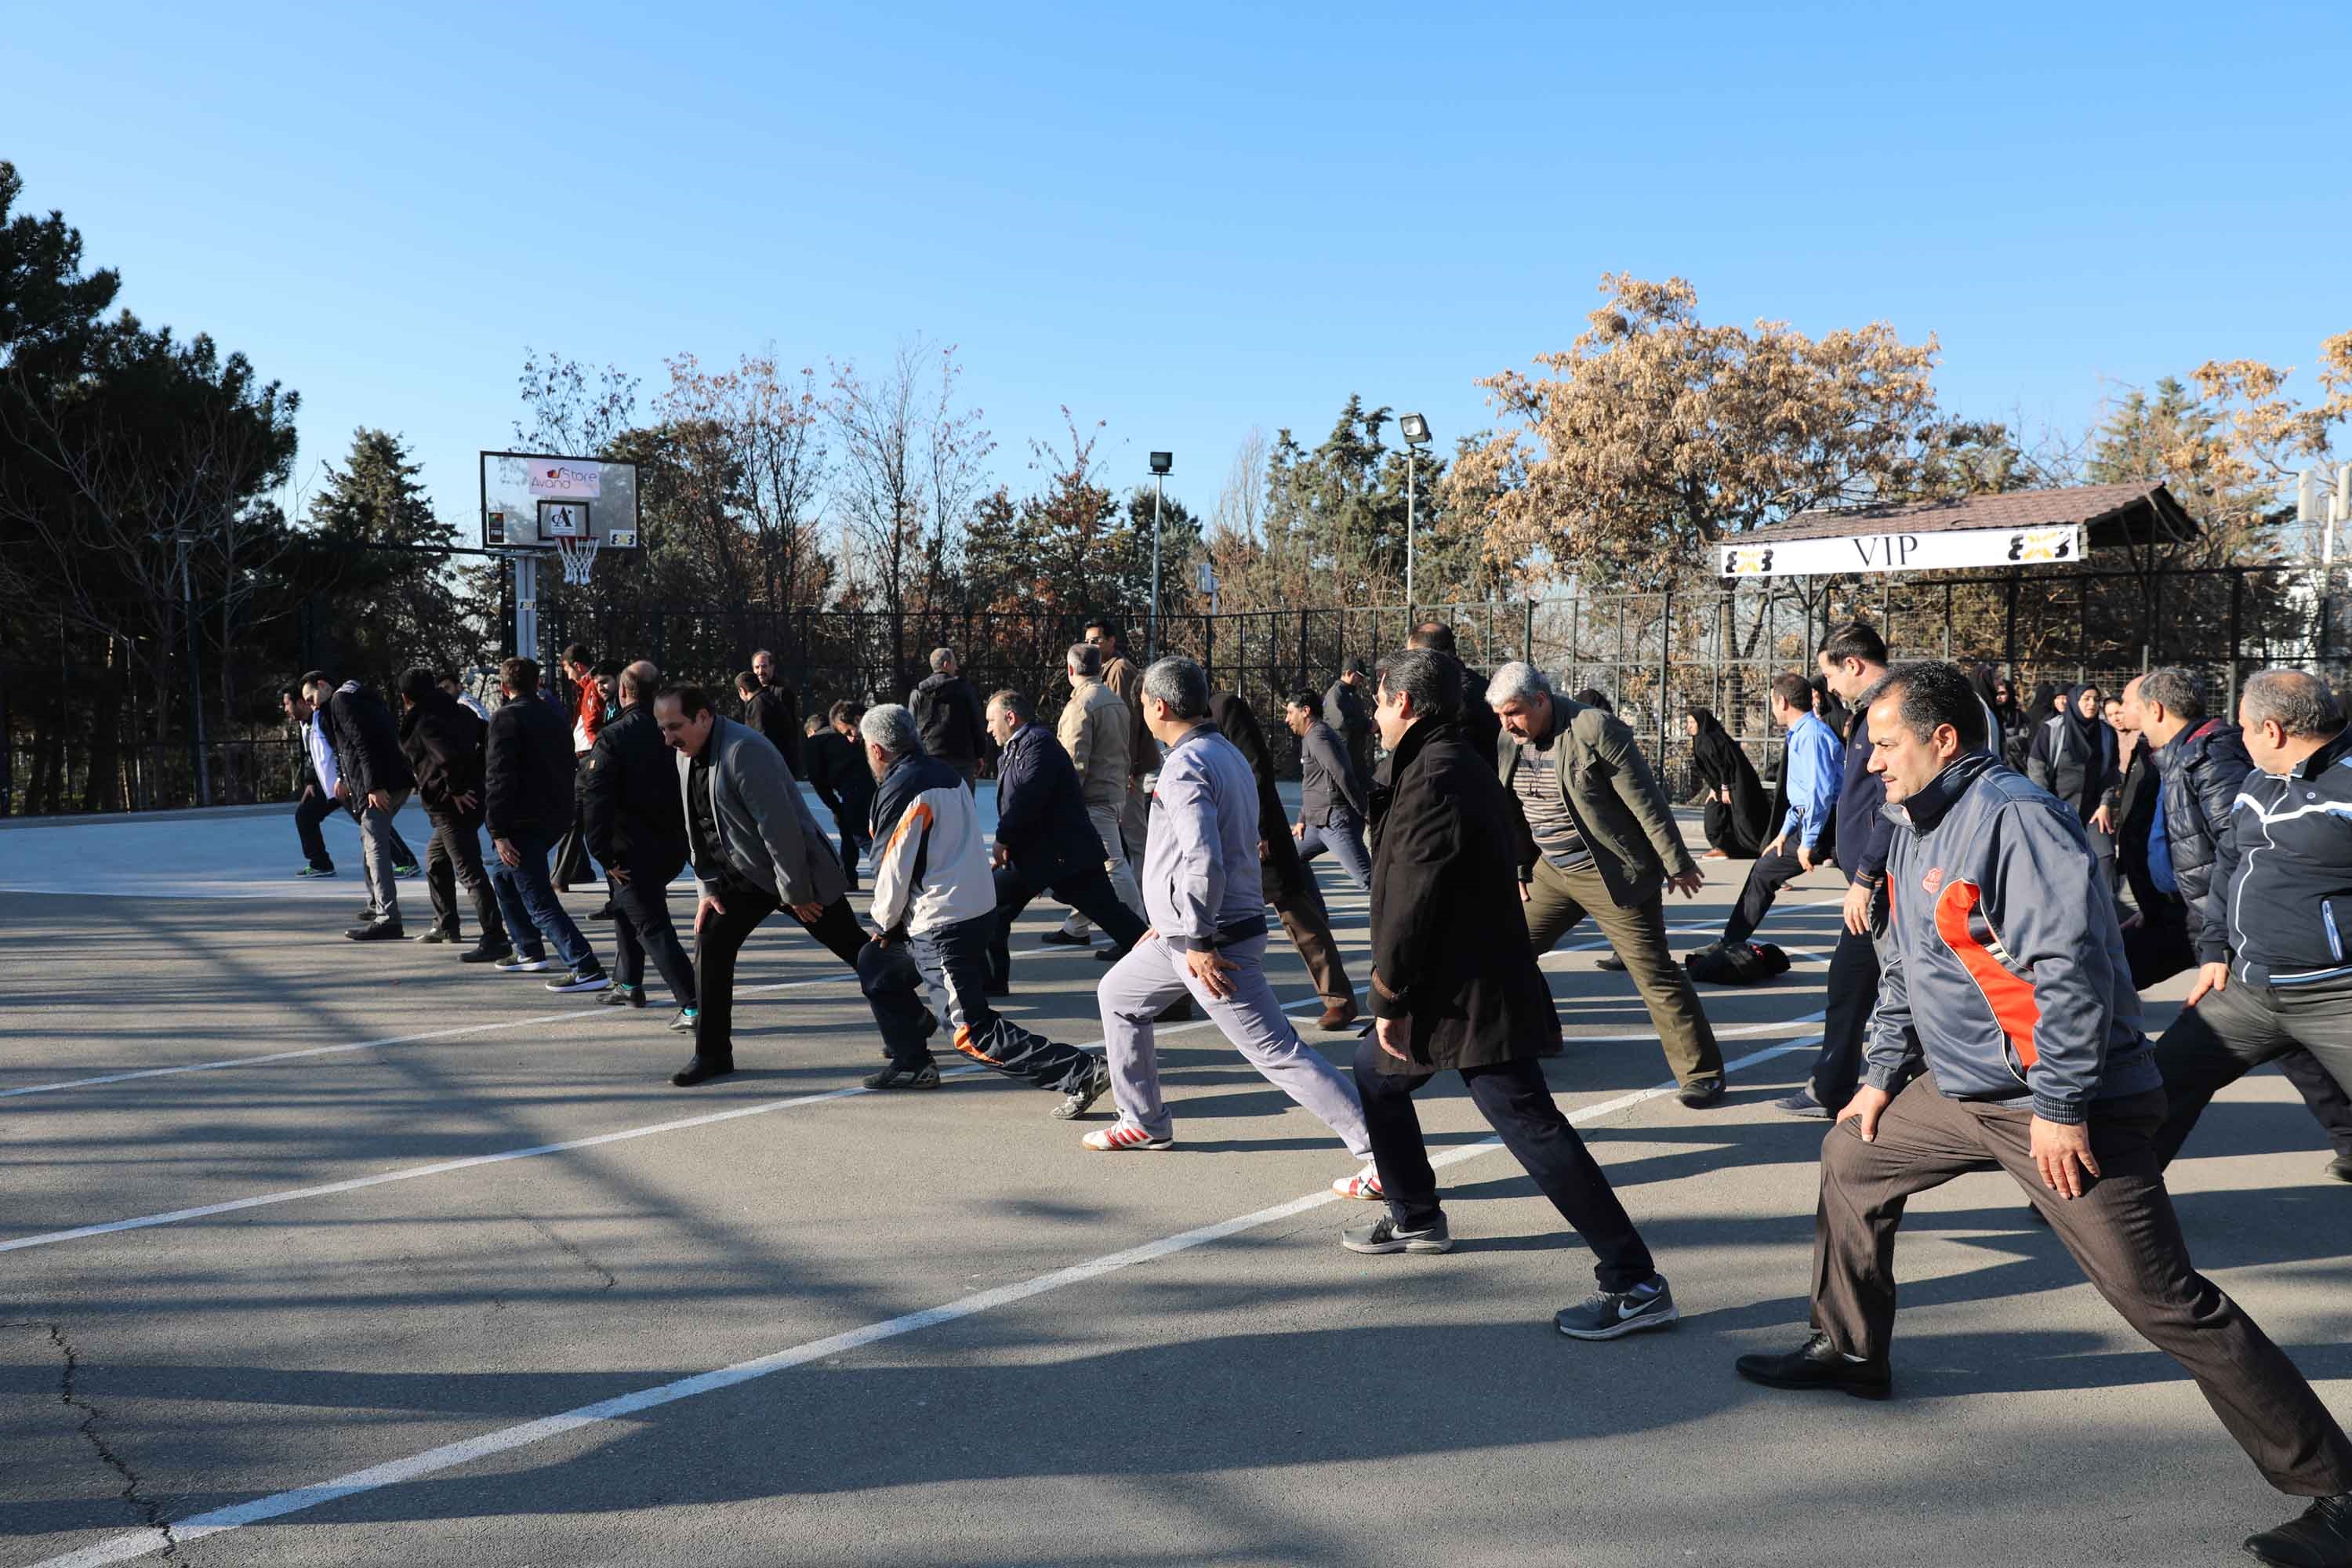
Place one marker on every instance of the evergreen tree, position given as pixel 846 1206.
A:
pixel 395 602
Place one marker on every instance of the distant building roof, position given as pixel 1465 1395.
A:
pixel 2114 515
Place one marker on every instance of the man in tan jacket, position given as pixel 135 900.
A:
pixel 1121 676
pixel 1095 731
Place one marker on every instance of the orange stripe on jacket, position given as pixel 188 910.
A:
pixel 917 815
pixel 2013 1007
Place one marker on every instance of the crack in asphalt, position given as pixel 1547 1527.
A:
pixel 575 1252
pixel 149 1511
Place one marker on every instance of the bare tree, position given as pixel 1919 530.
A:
pixel 876 426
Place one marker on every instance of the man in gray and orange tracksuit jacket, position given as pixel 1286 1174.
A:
pixel 2006 967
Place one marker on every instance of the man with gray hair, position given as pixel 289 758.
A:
pixel 1096 731
pixel 947 711
pixel 1598 836
pixel 1207 906
pixel 2283 875
pixel 934 917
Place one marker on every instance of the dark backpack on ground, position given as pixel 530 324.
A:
pixel 1740 963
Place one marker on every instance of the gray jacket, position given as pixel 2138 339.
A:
pixel 1627 821
pixel 1200 854
pixel 2004 959
pixel 1329 778
pixel 765 829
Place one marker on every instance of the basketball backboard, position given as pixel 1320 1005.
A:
pixel 531 500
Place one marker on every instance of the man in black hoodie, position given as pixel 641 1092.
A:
pixel 368 756
pixel 443 741
pixel 947 711
pixel 838 771
pixel 635 822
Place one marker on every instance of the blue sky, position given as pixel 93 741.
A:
pixel 1185 220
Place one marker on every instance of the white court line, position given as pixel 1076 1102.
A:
pixel 449 1455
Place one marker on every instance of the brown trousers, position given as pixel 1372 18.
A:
pixel 1560 900
pixel 1308 925
pixel 2123 1233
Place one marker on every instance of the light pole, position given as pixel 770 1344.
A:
pixel 1415 430
pixel 1161 462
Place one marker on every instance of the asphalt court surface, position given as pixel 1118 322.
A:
pixel 524 1302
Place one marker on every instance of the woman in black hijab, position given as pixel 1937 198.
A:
pixel 1737 811
pixel 2074 757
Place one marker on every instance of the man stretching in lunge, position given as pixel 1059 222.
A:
pixel 934 914
pixel 1203 892
pixel 1454 985
pixel 2005 965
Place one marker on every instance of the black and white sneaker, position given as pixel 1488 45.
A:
pixel 523 963
pixel 1059 938
pixel 1078 1102
pixel 486 952
pixel 1384 1235
pixel 895 1076
pixel 1610 1314
pixel 621 995
pixel 580 980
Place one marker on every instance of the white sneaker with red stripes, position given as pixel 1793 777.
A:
pixel 1125 1135
pixel 1365 1185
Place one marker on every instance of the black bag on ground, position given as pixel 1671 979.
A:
pixel 1740 963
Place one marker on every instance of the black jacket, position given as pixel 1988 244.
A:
pixel 2203 769
pixel 1327 779
pixel 775 712
pixel 2135 815
pixel 1285 873
pixel 367 744
pixel 630 807
pixel 527 771
pixel 1041 811
pixel 443 741
pixel 947 708
pixel 1344 710
pixel 838 774
pixel 1450 949
pixel 2283 880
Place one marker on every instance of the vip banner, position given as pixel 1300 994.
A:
pixel 1903 552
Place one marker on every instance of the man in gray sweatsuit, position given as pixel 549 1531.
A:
pixel 2006 965
pixel 1207 908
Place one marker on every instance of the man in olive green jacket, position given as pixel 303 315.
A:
pixel 1599 836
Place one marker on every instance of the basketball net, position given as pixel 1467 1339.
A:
pixel 579 558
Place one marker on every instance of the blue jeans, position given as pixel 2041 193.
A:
pixel 955 959
pixel 534 918
pixel 1344 837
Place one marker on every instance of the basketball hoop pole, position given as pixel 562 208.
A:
pixel 526 568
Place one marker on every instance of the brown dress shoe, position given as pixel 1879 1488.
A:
pixel 1716 855
pixel 1337 1018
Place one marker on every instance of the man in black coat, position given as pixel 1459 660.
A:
pixel 527 804
pixel 375 770
pixel 1289 887
pixel 443 744
pixel 635 827
pixel 1044 841
pixel 1344 710
pixel 838 771
pixel 1454 985
pixel 947 708
pixel 773 709
pixel 1478 719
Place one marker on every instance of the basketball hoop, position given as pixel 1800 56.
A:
pixel 579 558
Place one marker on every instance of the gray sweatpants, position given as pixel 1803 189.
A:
pixel 1152 975
pixel 375 855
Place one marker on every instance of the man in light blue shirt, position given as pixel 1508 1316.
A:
pixel 1814 770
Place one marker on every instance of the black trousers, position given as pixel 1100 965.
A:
pixel 643 905
pixel 2158 947
pixel 2236 1029
pixel 854 839
pixel 1518 1104
pixel 571 862
pixel 315 807
pixel 722 938
pixel 1771 872
pixel 1088 891
pixel 1854 991
pixel 453 855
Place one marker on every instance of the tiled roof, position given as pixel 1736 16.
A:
pixel 2085 504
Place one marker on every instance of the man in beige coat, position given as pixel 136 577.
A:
pixel 1096 731
pixel 1121 676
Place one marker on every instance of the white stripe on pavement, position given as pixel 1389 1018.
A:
pixel 449 1455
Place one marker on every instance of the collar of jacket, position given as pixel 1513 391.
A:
pixel 1923 811
pixel 1200 727
pixel 1415 739
pixel 2327 755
